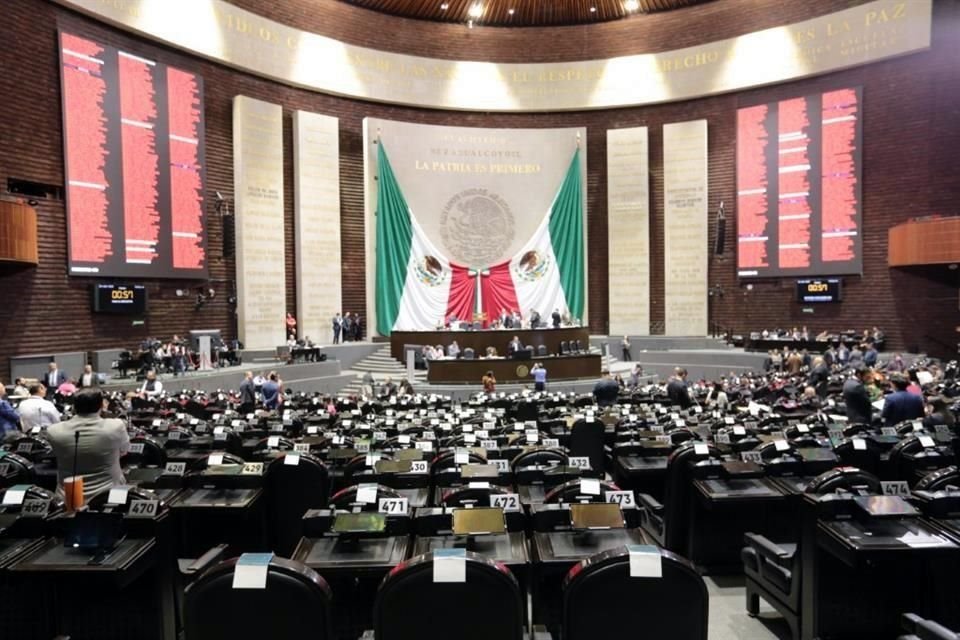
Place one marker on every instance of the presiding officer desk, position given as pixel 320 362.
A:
pixel 509 370
pixel 497 338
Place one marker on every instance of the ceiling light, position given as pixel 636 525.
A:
pixel 593 9
pixel 510 11
pixel 476 10
pixel 631 5
pixel 444 6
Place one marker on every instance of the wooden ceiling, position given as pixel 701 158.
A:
pixel 521 13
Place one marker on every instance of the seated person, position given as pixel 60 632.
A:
pixel 98 447
pixel 151 387
pixel 492 352
pixel 388 388
pixel 514 346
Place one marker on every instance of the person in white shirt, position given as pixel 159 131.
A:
pixel 151 387
pixel 36 411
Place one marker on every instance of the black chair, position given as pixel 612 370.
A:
pixel 586 440
pixel 940 479
pixel 564 347
pixel 214 610
pixel 667 522
pixel 151 454
pixel 291 491
pixel 571 492
pixel 15 469
pixel 346 499
pixel 461 610
pixel 580 347
pixel 597 591
pixel 911 461
pixel 467 353
pixel 541 350
pixel 470 496
pixel 867 458
pixel 204 462
pixel 917 628
pixel 772 570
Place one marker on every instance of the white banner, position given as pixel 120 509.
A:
pixel 686 245
pixel 316 178
pixel 258 192
pixel 628 231
pixel 230 35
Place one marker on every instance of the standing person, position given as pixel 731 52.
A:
pixel 9 418
pixel 337 327
pixel 358 327
pixel 453 351
pixel 555 316
pixel 52 379
pixel 534 319
pixel 718 397
pixel 248 394
pixel 291 324
pixel 677 389
pixel 898 406
pixel 856 398
pixel 271 391
pixel 94 443
pixel 606 391
pixel 625 345
pixel 88 378
pixel 819 376
pixel 539 377
pixel 489 382
pixel 36 411
pixel 347 327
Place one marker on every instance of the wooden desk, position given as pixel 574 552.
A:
pixel 480 340
pixel 933 241
pixel 506 370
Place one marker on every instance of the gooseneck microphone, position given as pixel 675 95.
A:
pixel 76 450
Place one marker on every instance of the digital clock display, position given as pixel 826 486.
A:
pixel 822 290
pixel 120 298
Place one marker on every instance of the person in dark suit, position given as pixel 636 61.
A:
pixel 856 398
pixel 88 378
pixel 248 394
pixel 819 376
pixel 534 319
pixel 556 318
pixel 901 404
pixel 514 346
pixel 52 379
pixel 337 326
pixel 677 389
pixel 606 391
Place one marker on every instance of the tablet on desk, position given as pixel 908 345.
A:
pixel 596 515
pixel 478 521
pixel 479 471
pixel 392 466
pixel 360 523
pixel 886 506
pixel 341 454
pixel 409 454
pixel 817 454
pixel 93 530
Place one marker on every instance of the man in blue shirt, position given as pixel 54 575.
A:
pixel 9 418
pixel 901 404
pixel 271 391
pixel 539 377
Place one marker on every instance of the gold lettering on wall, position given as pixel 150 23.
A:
pixel 221 31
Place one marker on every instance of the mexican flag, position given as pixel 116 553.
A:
pixel 417 288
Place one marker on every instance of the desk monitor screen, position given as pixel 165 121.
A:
pixel 93 530
pixel 341 454
pixel 392 466
pixel 817 454
pixel 886 506
pixel 479 521
pixel 596 515
pixel 360 523
pixel 481 471
pixel 223 470
pixel 409 454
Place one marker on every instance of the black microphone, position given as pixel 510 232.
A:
pixel 76 450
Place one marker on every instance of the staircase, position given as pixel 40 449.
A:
pixel 382 365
